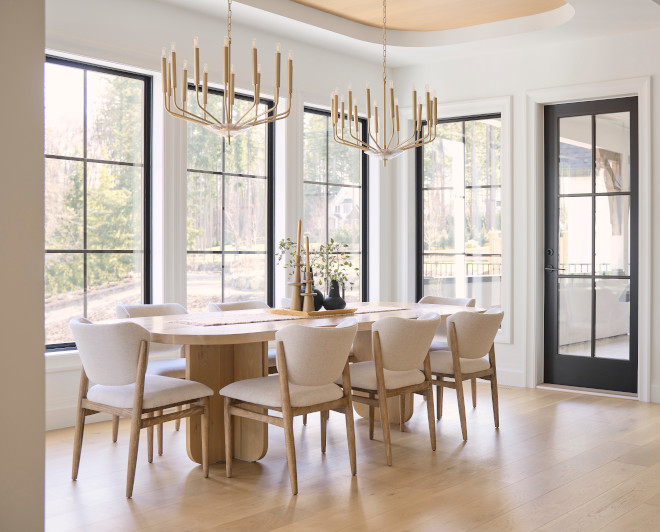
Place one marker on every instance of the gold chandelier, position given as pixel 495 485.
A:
pixel 379 145
pixel 233 122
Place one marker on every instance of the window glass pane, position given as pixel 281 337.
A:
pixel 613 152
pixel 115 117
pixel 245 277
pixel 112 278
pixel 64 291
pixel 246 214
pixel 205 147
pixel 246 153
pixel 64 96
pixel 114 206
pixel 64 204
pixel 462 218
pixel 315 147
pixel 344 215
pixel 204 280
pixel 575 162
pixel 204 212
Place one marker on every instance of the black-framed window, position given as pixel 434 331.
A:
pixel 335 194
pixel 229 209
pixel 97 193
pixel 459 211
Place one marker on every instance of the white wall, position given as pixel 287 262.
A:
pixel 495 71
pixel 21 267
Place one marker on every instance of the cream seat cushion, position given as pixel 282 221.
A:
pixel 158 391
pixel 266 391
pixel 173 367
pixel 363 375
pixel 442 362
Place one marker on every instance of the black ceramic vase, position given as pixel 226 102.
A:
pixel 334 301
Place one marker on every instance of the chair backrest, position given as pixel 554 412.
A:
pixel 109 351
pixel 438 300
pixel 316 356
pixel 475 333
pixel 146 310
pixel 404 343
pixel 238 305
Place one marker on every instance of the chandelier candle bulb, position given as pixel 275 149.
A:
pixel 163 71
pixel 396 117
pixel 414 106
pixel 350 106
pixel 419 120
pixel 196 66
pixel 368 103
pixel 289 68
pixel 277 68
pixel 391 102
pixel 342 114
pixel 169 80
pixel 254 63
pixel 205 85
pixel 173 63
pixel 184 82
pixel 376 116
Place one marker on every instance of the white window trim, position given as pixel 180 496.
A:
pixel 536 100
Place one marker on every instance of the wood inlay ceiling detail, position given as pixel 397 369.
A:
pixel 432 15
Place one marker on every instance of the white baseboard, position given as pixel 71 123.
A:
pixel 510 377
pixel 655 392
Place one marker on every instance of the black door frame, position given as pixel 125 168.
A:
pixel 589 372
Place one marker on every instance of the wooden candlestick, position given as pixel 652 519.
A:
pixel 308 303
pixel 296 303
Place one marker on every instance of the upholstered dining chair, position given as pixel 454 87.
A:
pixel 471 355
pixel 309 360
pixel 172 366
pixel 399 346
pixel 440 341
pixel 114 357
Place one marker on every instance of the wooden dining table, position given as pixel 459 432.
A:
pixel 217 355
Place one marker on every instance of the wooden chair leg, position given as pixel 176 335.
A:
pixel 304 419
pixel 429 409
pixel 371 418
pixel 496 406
pixel 133 452
pixel 150 440
pixel 385 424
pixel 473 385
pixel 229 438
pixel 402 410
pixel 324 420
pixel 440 391
pixel 115 428
pixel 159 434
pixel 177 423
pixel 350 435
pixel 77 442
pixel 461 406
pixel 205 437
pixel 291 452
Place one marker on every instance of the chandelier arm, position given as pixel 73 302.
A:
pixel 181 109
pixel 389 142
pixel 371 136
pixel 192 118
pixel 338 140
pixel 341 140
pixel 203 108
pixel 279 116
pixel 254 104
pixel 267 111
pixel 356 139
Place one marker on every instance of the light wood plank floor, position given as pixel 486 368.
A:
pixel 560 462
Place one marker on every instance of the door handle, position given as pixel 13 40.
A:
pixel 552 269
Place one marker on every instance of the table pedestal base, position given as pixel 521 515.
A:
pixel 216 366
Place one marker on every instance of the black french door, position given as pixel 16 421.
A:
pixel 591 244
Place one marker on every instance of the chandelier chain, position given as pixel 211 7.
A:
pixel 229 20
pixel 384 42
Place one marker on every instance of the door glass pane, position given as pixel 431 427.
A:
pixel 245 277
pixel 575 161
pixel 575 219
pixel 575 317
pixel 612 235
pixel 64 291
pixel 613 318
pixel 204 280
pixel 613 152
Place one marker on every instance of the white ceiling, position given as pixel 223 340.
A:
pixel 580 19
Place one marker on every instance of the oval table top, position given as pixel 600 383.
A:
pixel 179 329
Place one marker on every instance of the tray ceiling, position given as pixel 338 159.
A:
pixel 432 15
